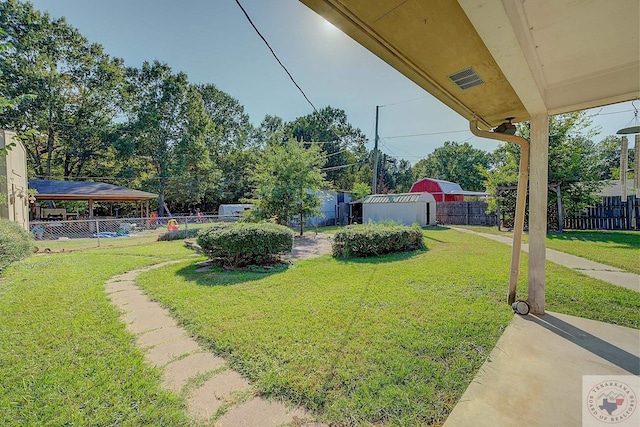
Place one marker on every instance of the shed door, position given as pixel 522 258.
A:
pixel 428 213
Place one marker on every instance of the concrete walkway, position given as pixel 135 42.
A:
pixel 598 270
pixel 215 393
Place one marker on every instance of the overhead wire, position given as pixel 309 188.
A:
pixel 274 55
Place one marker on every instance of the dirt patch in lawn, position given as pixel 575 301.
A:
pixel 310 245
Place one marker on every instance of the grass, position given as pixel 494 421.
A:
pixel 66 358
pixel 619 249
pixel 616 248
pixel 390 341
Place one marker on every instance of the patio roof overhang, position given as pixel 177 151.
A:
pixel 492 60
pixel 535 56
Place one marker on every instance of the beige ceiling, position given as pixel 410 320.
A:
pixel 534 56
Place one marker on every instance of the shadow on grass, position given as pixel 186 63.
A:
pixel 382 259
pixel 216 276
pixel 430 229
pixel 625 240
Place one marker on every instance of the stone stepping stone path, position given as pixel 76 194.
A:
pixel 215 394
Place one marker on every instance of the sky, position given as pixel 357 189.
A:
pixel 212 42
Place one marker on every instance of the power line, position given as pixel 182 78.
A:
pixel 333 168
pixel 424 134
pixel 405 101
pixel 274 54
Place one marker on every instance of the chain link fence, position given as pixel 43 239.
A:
pixel 100 229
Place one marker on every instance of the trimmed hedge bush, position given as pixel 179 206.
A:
pixel 242 244
pixel 15 243
pixel 178 235
pixel 367 240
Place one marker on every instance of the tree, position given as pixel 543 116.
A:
pixel 342 145
pixel 169 127
pixel 72 83
pixel 287 178
pixel 191 169
pixel 360 190
pixel 573 161
pixel 234 149
pixel 459 163
pixel 609 151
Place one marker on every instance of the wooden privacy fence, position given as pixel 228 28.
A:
pixel 611 214
pixel 464 213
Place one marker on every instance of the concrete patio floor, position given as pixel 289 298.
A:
pixel 534 374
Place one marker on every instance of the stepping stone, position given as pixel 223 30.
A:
pixel 131 275
pixel 132 302
pixel 165 352
pixel 176 374
pixel 133 292
pixel 159 336
pixel 205 401
pixel 151 321
pixel 134 313
pixel 259 412
pixel 112 288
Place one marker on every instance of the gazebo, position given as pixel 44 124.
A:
pixel 89 191
pixel 496 62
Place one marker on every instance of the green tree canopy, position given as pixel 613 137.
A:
pixel 73 85
pixel 573 161
pixel 287 178
pixel 169 127
pixel 455 162
pixel 342 145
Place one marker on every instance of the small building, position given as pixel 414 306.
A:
pixel 334 209
pixel 234 209
pixel 52 190
pixel 404 208
pixel 444 191
pixel 14 205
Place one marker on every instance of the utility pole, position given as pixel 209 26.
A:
pixel 383 167
pixel 374 184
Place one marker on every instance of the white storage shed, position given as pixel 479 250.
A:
pixel 404 208
pixel 234 209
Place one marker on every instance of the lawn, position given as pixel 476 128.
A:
pixel 615 248
pixel 65 357
pixel 390 341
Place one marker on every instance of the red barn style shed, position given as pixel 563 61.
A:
pixel 443 191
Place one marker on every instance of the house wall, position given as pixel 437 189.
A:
pixel 13 181
pixel 403 213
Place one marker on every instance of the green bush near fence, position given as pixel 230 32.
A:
pixel 178 235
pixel 366 240
pixel 243 244
pixel 15 243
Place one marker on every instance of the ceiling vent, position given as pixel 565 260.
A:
pixel 466 78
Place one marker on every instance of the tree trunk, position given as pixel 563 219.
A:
pixel 301 225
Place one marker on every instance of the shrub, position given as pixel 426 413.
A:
pixel 178 235
pixel 376 239
pixel 242 244
pixel 15 243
